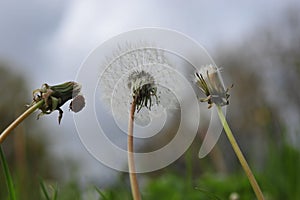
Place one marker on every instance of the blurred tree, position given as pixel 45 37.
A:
pixel 25 150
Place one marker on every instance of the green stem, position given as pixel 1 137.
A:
pixel 23 116
pixel 240 156
pixel 131 166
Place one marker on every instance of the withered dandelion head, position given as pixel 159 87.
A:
pixel 209 80
pixel 56 96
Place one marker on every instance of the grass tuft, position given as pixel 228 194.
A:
pixel 9 181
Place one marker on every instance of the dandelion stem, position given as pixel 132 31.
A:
pixel 23 116
pixel 240 156
pixel 131 166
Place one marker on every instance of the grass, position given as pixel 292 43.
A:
pixel 45 191
pixel 8 178
pixel 280 178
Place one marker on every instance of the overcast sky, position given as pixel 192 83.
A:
pixel 58 35
pixel 48 40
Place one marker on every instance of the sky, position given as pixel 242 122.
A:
pixel 47 41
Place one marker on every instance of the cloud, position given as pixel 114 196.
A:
pixel 24 25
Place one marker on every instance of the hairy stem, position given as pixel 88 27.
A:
pixel 23 116
pixel 240 156
pixel 131 166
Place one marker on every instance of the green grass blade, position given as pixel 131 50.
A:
pixel 9 181
pixel 210 194
pixel 101 193
pixel 44 189
pixel 55 192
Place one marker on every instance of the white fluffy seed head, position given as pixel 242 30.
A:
pixel 139 78
pixel 130 68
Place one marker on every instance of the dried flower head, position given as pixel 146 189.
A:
pixel 209 80
pixel 56 96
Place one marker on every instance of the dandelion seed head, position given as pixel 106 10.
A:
pixel 137 71
pixel 143 89
pixel 139 78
